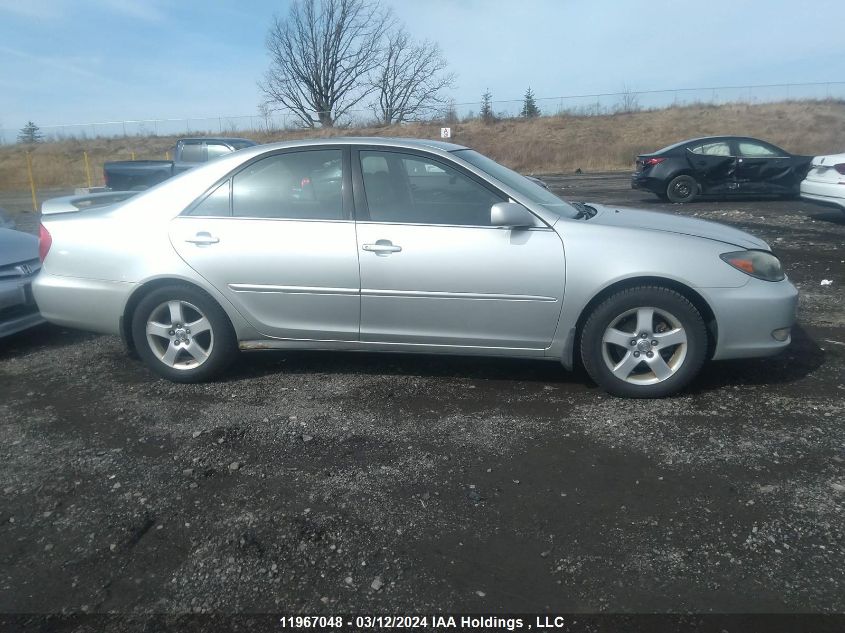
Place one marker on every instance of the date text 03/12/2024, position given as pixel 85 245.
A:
pixel 304 622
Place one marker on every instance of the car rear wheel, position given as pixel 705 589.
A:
pixel 682 188
pixel 182 334
pixel 645 342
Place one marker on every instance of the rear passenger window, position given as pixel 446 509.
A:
pixel 306 185
pixel 216 203
pixel 192 153
pixel 712 149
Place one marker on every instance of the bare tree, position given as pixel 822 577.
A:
pixel 321 55
pixel 409 79
pixel 629 101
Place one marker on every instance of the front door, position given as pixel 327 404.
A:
pixel 435 272
pixel 278 241
pixel 764 169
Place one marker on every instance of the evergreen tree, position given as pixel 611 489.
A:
pixel 30 133
pixel 486 112
pixel 529 105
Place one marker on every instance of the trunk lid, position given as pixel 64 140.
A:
pixel 824 169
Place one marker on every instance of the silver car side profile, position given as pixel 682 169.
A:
pixel 403 245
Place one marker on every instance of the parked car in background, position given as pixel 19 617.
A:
pixel 6 221
pixel 127 175
pixel 719 166
pixel 412 246
pixel 825 181
pixel 19 263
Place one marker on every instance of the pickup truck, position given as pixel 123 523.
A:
pixel 134 175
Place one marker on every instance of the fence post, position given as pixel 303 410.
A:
pixel 133 155
pixel 31 182
pixel 87 169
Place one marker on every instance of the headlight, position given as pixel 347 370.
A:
pixel 759 264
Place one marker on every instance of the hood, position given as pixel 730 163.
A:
pixel 670 223
pixel 16 247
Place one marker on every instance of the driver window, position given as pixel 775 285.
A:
pixel 755 150
pixel 416 190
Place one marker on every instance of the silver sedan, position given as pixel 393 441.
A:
pixel 406 246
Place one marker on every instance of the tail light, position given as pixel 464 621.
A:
pixel 650 162
pixel 305 182
pixel 840 168
pixel 45 241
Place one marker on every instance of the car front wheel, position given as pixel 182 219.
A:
pixel 645 342
pixel 183 334
pixel 682 188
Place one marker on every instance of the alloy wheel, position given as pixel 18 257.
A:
pixel 644 346
pixel 179 334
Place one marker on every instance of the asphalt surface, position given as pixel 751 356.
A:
pixel 331 482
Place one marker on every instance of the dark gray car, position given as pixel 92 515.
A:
pixel 19 264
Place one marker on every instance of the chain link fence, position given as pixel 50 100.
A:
pixel 581 105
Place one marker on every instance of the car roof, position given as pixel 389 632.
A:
pixel 219 139
pixel 382 141
pixel 710 139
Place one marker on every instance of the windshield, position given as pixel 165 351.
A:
pixel 534 192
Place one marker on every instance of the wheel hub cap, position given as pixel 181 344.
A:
pixel 644 345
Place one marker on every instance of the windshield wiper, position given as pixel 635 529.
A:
pixel 585 211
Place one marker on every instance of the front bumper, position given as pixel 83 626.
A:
pixel 748 317
pixel 18 311
pixel 824 192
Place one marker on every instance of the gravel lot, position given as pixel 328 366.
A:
pixel 331 482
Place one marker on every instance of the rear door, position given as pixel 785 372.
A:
pixel 283 252
pixel 714 165
pixel 435 272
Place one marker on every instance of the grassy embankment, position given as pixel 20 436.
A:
pixel 553 144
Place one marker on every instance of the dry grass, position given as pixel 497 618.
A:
pixel 551 144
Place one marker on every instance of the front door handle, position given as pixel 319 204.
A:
pixel 382 247
pixel 203 238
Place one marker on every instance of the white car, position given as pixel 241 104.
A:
pixel 825 182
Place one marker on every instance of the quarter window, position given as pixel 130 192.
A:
pixel 304 185
pixel 216 203
pixel 415 190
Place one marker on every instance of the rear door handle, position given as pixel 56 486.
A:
pixel 382 247
pixel 203 238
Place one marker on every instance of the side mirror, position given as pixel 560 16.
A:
pixel 511 214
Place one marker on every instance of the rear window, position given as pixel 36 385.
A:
pixel 192 153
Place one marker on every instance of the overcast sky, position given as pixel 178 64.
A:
pixel 70 61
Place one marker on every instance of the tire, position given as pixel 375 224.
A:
pixel 623 369
pixel 683 188
pixel 184 355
